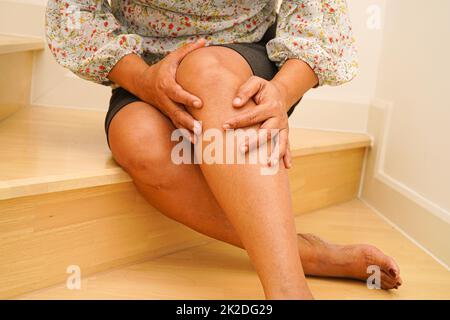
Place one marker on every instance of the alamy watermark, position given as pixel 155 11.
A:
pixel 374 18
pixel 374 280
pixel 73 281
pixel 71 14
pixel 216 146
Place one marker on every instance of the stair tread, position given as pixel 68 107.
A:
pixel 219 271
pixel 47 149
pixel 13 43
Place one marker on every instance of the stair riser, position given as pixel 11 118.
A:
pixel 100 228
pixel 324 179
pixel 15 81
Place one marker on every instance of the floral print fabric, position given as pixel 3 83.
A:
pixel 90 36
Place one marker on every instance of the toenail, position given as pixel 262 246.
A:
pixel 392 272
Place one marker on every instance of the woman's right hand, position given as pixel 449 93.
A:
pixel 157 85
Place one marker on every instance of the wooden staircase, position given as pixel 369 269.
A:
pixel 64 201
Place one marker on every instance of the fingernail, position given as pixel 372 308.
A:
pixel 237 101
pixel 197 104
pixel 197 128
pixel 243 148
pixel 226 126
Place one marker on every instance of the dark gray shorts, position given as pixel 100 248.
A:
pixel 254 53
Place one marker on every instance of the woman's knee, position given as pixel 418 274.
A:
pixel 214 74
pixel 212 67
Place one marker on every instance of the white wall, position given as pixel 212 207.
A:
pixel 414 75
pixel 409 181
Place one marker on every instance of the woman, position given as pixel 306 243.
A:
pixel 256 67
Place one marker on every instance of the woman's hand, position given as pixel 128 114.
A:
pixel 157 85
pixel 270 111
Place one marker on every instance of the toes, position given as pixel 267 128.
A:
pixel 388 264
pixel 387 282
pixel 392 267
pixel 375 256
pixel 394 273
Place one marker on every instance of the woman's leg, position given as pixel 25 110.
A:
pixel 258 206
pixel 277 264
pixel 144 152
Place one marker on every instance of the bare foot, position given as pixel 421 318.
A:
pixel 320 258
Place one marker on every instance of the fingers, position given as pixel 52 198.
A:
pixel 183 51
pixel 179 95
pixel 267 131
pixel 183 120
pixel 287 159
pixel 173 89
pixel 254 142
pixel 280 149
pixel 249 89
pixel 257 115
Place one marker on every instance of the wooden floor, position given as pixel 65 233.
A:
pixel 219 271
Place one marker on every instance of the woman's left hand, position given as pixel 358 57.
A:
pixel 270 111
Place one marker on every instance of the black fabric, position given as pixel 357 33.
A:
pixel 254 53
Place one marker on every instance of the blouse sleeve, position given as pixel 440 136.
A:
pixel 319 33
pixel 85 37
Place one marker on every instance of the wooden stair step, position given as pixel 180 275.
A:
pixel 56 149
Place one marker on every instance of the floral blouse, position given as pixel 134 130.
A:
pixel 90 36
